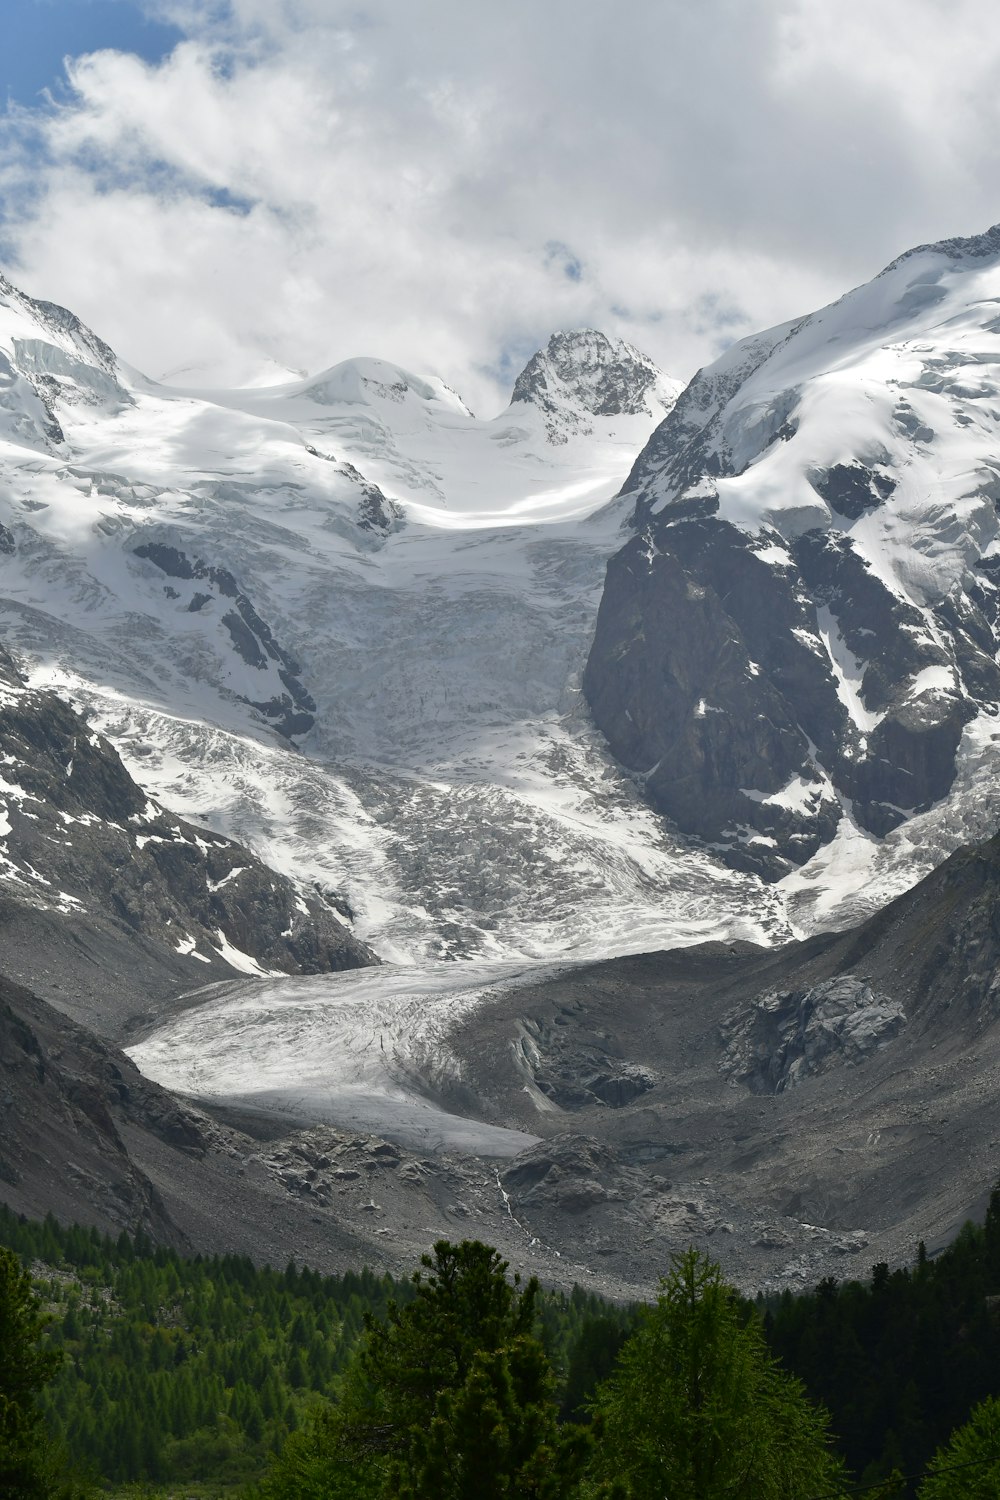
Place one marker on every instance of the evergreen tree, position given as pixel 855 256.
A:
pixel 450 1398
pixel 495 1437
pixel 698 1410
pixel 968 1467
pixel 24 1370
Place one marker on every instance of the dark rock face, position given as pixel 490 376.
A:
pixel 376 512
pixel 82 844
pixel 292 711
pixel 690 682
pixel 781 1040
pixel 852 489
pixel 65 1099
pixel 711 676
pixel 808 615
pixel 575 1069
pixel 567 1174
pixel 760 683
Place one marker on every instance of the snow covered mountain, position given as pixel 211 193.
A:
pixel 347 622
pixel 343 620
pixel 583 375
pixel 797 650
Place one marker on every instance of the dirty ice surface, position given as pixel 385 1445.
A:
pixel 367 1051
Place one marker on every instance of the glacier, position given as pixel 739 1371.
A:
pixel 345 621
pixel 433 580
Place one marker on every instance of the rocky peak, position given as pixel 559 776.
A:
pixel 49 361
pixel 583 374
pixel 53 320
pixel 961 247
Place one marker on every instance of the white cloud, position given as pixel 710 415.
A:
pixel 442 185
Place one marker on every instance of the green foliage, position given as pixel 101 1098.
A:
pixel 899 1362
pixel 178 1370
pixel 495 1435
pixel 451 1397
pixel 25 1369
pixel 314 1465
pixel 697 1408
pixel 968 1467
pixel 591 1357
pixel 175 1371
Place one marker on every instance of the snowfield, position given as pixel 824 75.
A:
pixel 433 577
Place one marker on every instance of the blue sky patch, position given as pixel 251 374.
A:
pixel 38 34
pixel 560 257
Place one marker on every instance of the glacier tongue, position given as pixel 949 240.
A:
pixel 373 1055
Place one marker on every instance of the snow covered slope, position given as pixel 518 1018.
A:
pixel 343 620
pixel 797 651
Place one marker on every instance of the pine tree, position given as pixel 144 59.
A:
pixel 25 1369
pixel 495 1437
pixel 968 1466
pixel 451 1398
pixel 698 1410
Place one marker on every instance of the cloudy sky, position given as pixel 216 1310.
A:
pixel 237 184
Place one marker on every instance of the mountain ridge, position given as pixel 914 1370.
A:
pixel 827 492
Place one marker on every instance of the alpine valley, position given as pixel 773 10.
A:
pixel 573 828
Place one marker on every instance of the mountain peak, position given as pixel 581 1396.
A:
pixel 831 488
pixel 960 247
pixel 49 359
pixel 53 321
pixel 370 380
pixel 582 373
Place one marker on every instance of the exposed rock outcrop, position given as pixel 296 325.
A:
pixel 585 374
pixel 65 1098
pixel 290 708
pixel 780 1040
pixel 85 851
pixel 807 616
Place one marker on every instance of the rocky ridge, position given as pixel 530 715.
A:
pixel 584 374
pixel 100 879
pixel 806 618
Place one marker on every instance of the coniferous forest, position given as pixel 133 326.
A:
pixel 159 1370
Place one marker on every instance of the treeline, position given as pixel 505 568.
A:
pixel 171 1369
pixel 177 1368
pixel 900 1360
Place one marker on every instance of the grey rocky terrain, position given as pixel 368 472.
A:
pixel 800 1112
pixel 111 904
pixel 803 1111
